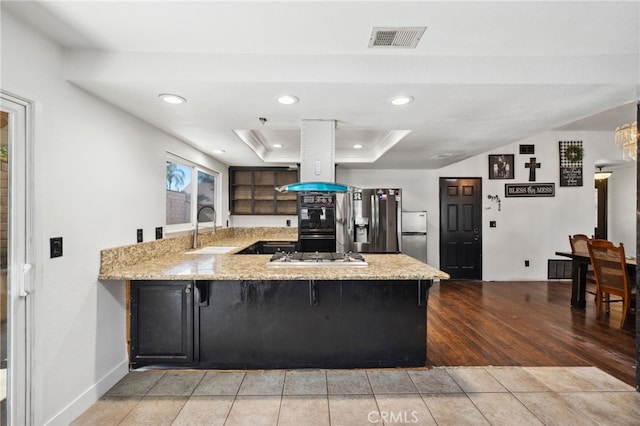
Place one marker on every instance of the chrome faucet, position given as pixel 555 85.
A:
pixel 195 233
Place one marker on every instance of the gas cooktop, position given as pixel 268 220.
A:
pixel 317 259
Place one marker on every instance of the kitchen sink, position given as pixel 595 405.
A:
pixel 269 247
pixel 212 250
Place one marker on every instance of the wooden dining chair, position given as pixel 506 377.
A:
pixel 612 278
pixel 579 243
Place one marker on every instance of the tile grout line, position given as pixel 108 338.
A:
pixel 326 378
pixel 235 397
pixel 508 391
pixel 130 410
pixel 284 383
pixel 513 394
pixel 142 397
pixel 373 392
pixel 473 402
pixel 189 397
pixel 422 398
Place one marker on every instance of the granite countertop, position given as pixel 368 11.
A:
pixel 178 264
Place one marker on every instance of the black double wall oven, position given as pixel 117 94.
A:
pixel 316 222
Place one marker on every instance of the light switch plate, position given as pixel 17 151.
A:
pixel 55 247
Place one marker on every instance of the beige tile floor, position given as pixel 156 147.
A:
pixel 437 396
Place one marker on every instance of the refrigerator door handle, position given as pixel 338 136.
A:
pixel 375 218
pixel 350 223
pixel 398 226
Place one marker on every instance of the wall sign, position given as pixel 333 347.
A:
pixel 529 189
pixel 571 154
pixel 527 149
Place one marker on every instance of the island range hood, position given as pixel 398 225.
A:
pixel 315 187
pixel 317 159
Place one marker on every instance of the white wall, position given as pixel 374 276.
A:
pixel 622 206
pixel 99 175
pixel 527 228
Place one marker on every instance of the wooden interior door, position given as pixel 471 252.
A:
pixel 600 231
pixel 461 227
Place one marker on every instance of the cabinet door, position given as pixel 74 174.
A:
pixel 162 322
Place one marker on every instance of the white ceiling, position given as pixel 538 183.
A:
pixel 484 74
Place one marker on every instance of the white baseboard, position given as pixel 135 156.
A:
pixel 90 396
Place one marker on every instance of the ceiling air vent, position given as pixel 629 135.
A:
pixel 396 37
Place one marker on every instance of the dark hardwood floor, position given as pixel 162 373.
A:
pixel 472 323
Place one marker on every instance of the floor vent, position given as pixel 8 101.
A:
pixel 559 269
pixel 396 37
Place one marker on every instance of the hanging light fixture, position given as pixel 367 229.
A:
pixel 627 139
pixel 600 175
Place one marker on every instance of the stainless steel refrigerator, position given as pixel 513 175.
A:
pixel 369 221
pixel 414 235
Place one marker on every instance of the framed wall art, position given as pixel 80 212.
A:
pixel 571 154
pixel 501 166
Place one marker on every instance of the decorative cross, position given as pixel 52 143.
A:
pixel 532 166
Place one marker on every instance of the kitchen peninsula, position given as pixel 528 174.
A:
pixel 235 311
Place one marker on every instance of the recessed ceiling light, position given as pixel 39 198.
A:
pixel 357 146
pixel 219 151
pixel 401 100
pixel 172 99
pixel 288 99
pixel 277 145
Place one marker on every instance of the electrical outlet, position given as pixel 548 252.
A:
pixel 139 235
pixel 159 233
pixel 526 263
pixel 55 247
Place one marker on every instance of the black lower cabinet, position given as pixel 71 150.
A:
pixel 162 323
pixel 280 324
pixel 314 324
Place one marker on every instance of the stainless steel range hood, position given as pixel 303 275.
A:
pixel 318 151
pixel 317 158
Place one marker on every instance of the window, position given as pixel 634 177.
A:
pixel 206 195
pixel 188 188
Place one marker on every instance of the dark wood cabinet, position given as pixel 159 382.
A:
pixel 313 324
pixel 249 324
pixel 252 191
pixel 162 328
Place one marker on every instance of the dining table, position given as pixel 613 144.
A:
pixel 580 262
